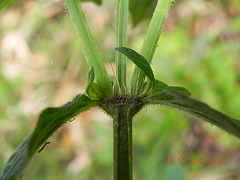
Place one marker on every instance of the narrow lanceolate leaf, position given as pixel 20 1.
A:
pixel 53 118
pixel 95 1
pixel 4 3
pixel 89 46
pixel 196 108
pixel 155 28
pixel 49 121
pixel 150 42
pixel 160 86
pixel 138 60
pixel 122 23
pixel 16 163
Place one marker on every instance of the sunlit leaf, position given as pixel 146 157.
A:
pixel 16 163
pixel 138 60
pixel 196 108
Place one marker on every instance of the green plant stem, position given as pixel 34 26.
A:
pixel 122 21
pixel 89 46
pixel 150 42
pixel 122 109
pixel 122 142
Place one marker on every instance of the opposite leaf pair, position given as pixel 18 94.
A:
pixel 52 119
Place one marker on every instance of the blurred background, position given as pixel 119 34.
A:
pixel 42 64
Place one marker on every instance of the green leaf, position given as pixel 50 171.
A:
pixel 4 3
pixel 49 121
pixel 196 108
pixel 53 118
pixel 16 163
pixel 122 24
pixel 95 1
pixel 141 9
pixel 89 46
pixel 91 76
pixel 160 86
pixel 92 90
pixel 150 42
pixel 138 60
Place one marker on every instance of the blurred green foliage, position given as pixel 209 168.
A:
pixel 42 64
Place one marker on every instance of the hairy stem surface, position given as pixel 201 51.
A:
pixel 122 142
pixel 150 42
pixel 122 21
pixel 122 109
pixel 89 46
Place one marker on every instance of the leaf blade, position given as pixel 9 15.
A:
pixel 98 2
pixel 138 60
pixel 89 46
pixel 196 108
pixel 53 118
pixel 16 163
pixel 49 121
pixel 92 89
pixel 122 24
pixel 91 76
pixel 151 40
pixel 161 86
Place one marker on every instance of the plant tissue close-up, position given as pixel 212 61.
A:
pixel 125 89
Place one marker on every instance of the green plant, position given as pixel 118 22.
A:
pixel 117 99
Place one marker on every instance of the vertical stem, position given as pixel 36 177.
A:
pixel 122 142
pixel 122 21
pixel 150 43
